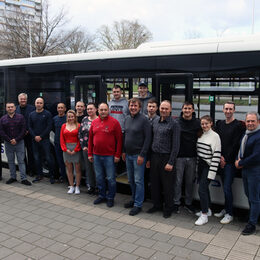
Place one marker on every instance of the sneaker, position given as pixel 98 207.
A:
pixel 77 190
pixel 227 219
pixel 203 219
pixel 221 214
pixel 190 208
pixel 129 204
pixel 10 181
pixel 153 209
pixel 110 203
pixel 166 214
pixel 209 213
pixel 26 182
pixel 99 200
pixel 176 209
pixel 249 229
pixel 134 211
pixel 71 190
pixel 37 179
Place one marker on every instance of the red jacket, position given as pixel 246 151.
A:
pixel 67 136
pixel 105 137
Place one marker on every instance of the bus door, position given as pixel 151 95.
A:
pixel 90 88
pixel 176 87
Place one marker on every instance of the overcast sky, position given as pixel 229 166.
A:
pixel 168 19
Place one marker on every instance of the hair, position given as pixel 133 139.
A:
pixel 92 103
pixel 62 104
pixel 9 103
pixel 75 115
pixel 167 101
pixel 23 94
pixel 152 101
pixel 117 86
pixel 102 104
pixel 229 103
pixel 253 113
pixel 80 102
pixel 207 118
pixel 41 98
pixel 188 103
pixel 135 100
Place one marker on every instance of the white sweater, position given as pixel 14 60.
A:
pixel 209 150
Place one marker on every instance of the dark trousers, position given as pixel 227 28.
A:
pixel 59 157
pixel 205 201
pixel 29 159
pixel 161 182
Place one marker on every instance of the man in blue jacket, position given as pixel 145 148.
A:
pixel 248 161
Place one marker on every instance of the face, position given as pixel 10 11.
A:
pixel 80 107
pixel 142 91
pixel 152 108
pixel 22 101
pixel 117 92
pixel 71 118
pixel 91 110
pixel 61 109
pixel 187 111
pixel 103 111
pixel 134 108
pixel 228 110
pixel 165 109
pixel 251 122
pixel 39 103
pixel 10 108
pixel 205 125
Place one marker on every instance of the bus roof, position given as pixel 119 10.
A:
pixel 194 46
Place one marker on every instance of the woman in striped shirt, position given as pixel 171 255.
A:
pixel 209 153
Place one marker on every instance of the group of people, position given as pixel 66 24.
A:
pixel 168 150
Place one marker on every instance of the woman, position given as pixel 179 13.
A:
pixel 83 138
pixel 70 146
pixel 209 153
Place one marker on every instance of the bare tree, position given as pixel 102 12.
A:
pixel 124 34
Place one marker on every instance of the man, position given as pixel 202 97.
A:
pixel 248 161
pixel 187 157
pixel 104 149
pixel 40 125
pixel 80 111
pixel 12 130
pixel 230 132
pixel 144 95
pixel 152 108
pixel 58 121
pixel 25 109
pixel 118 106
pixel 137 138
pixel 165 148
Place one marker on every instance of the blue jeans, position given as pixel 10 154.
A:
pixel 227 176
pixel 105 170
pixel 18 150
pixel 43 147
pixel 135 175
pixel 251 180
pixel 59 157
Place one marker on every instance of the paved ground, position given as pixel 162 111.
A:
pixel 43 222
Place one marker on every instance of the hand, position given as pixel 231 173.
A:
pixel 140 160
pixel 148 164
pixel 13 142
pixel 168 167
pixel 85 149
pixel 123 157
pixel 90 158
pixel 222 162
pixel 37 138
pixel 68 152
pixel 237 164
pixel 116 159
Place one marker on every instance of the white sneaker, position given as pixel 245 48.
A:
pixel 203 219
pixel 221 214
pixel 209 213
pixel 77 190
pixel 227 219
pixel 71 190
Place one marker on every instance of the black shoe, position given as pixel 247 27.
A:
pixel 176 209
pixel 61 180
pixel 166 214
pixel 91 190
pixel 26 182
pixel 10 181
pixel 129 204
pixel 190 208
pixel 99 200
pixel 249 229
pixel 134 211
pixel 153 210
pixel 1 178
pixel 37 179
pixel 110 203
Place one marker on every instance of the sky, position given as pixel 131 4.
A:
pixel 167 20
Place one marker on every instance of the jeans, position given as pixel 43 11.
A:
pixel 29 159
pixel 251 180
pixel 105 170
pixel 227 175
pixel 185 169
pixel 135 175
pixel 59 156
pixel 43 147
pixel 89 170
pixel 205 201
pixel 18 150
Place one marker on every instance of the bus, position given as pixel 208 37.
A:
pixel 205 71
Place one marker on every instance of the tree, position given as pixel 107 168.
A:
pixel 22 35
pixel 123 35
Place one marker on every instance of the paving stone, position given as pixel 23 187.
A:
pixel 58 247
pixel 238 255
pixel 24 247
pixel 126 256
pixel 144 252
pixel 78 242
pixel 37 253
pixel 100 229
pixel 161 246
pixel 69 229
pixel 88 256
pixel 4 252
pixel 16 256
pixel 131 229
pixel 245 248
pixel 145 242
pixel 115 233
pixel 180 251
pixel 253 239
pixel 163 228
pixel 178 241
pixel 194 255
pixel 97 238
pixel 128 219
pixel 130 238
pixel 145 232
pixel 116 225
pixel 161 237
pixel 52 256
pixel 11 242
pixel 4 237
pixel 64 238
pixel 196 246
pixel 109 253
pixel 93 248
pixel 72 253
pixel 201 237
pixel 215 251
pixel 111 242
pixel 161 256
pixel 127 247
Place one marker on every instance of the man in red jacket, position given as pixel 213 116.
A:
pixel 104 149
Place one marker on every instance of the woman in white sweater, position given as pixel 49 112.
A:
pixel 209 153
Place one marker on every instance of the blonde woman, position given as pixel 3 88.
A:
pixel 70 146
